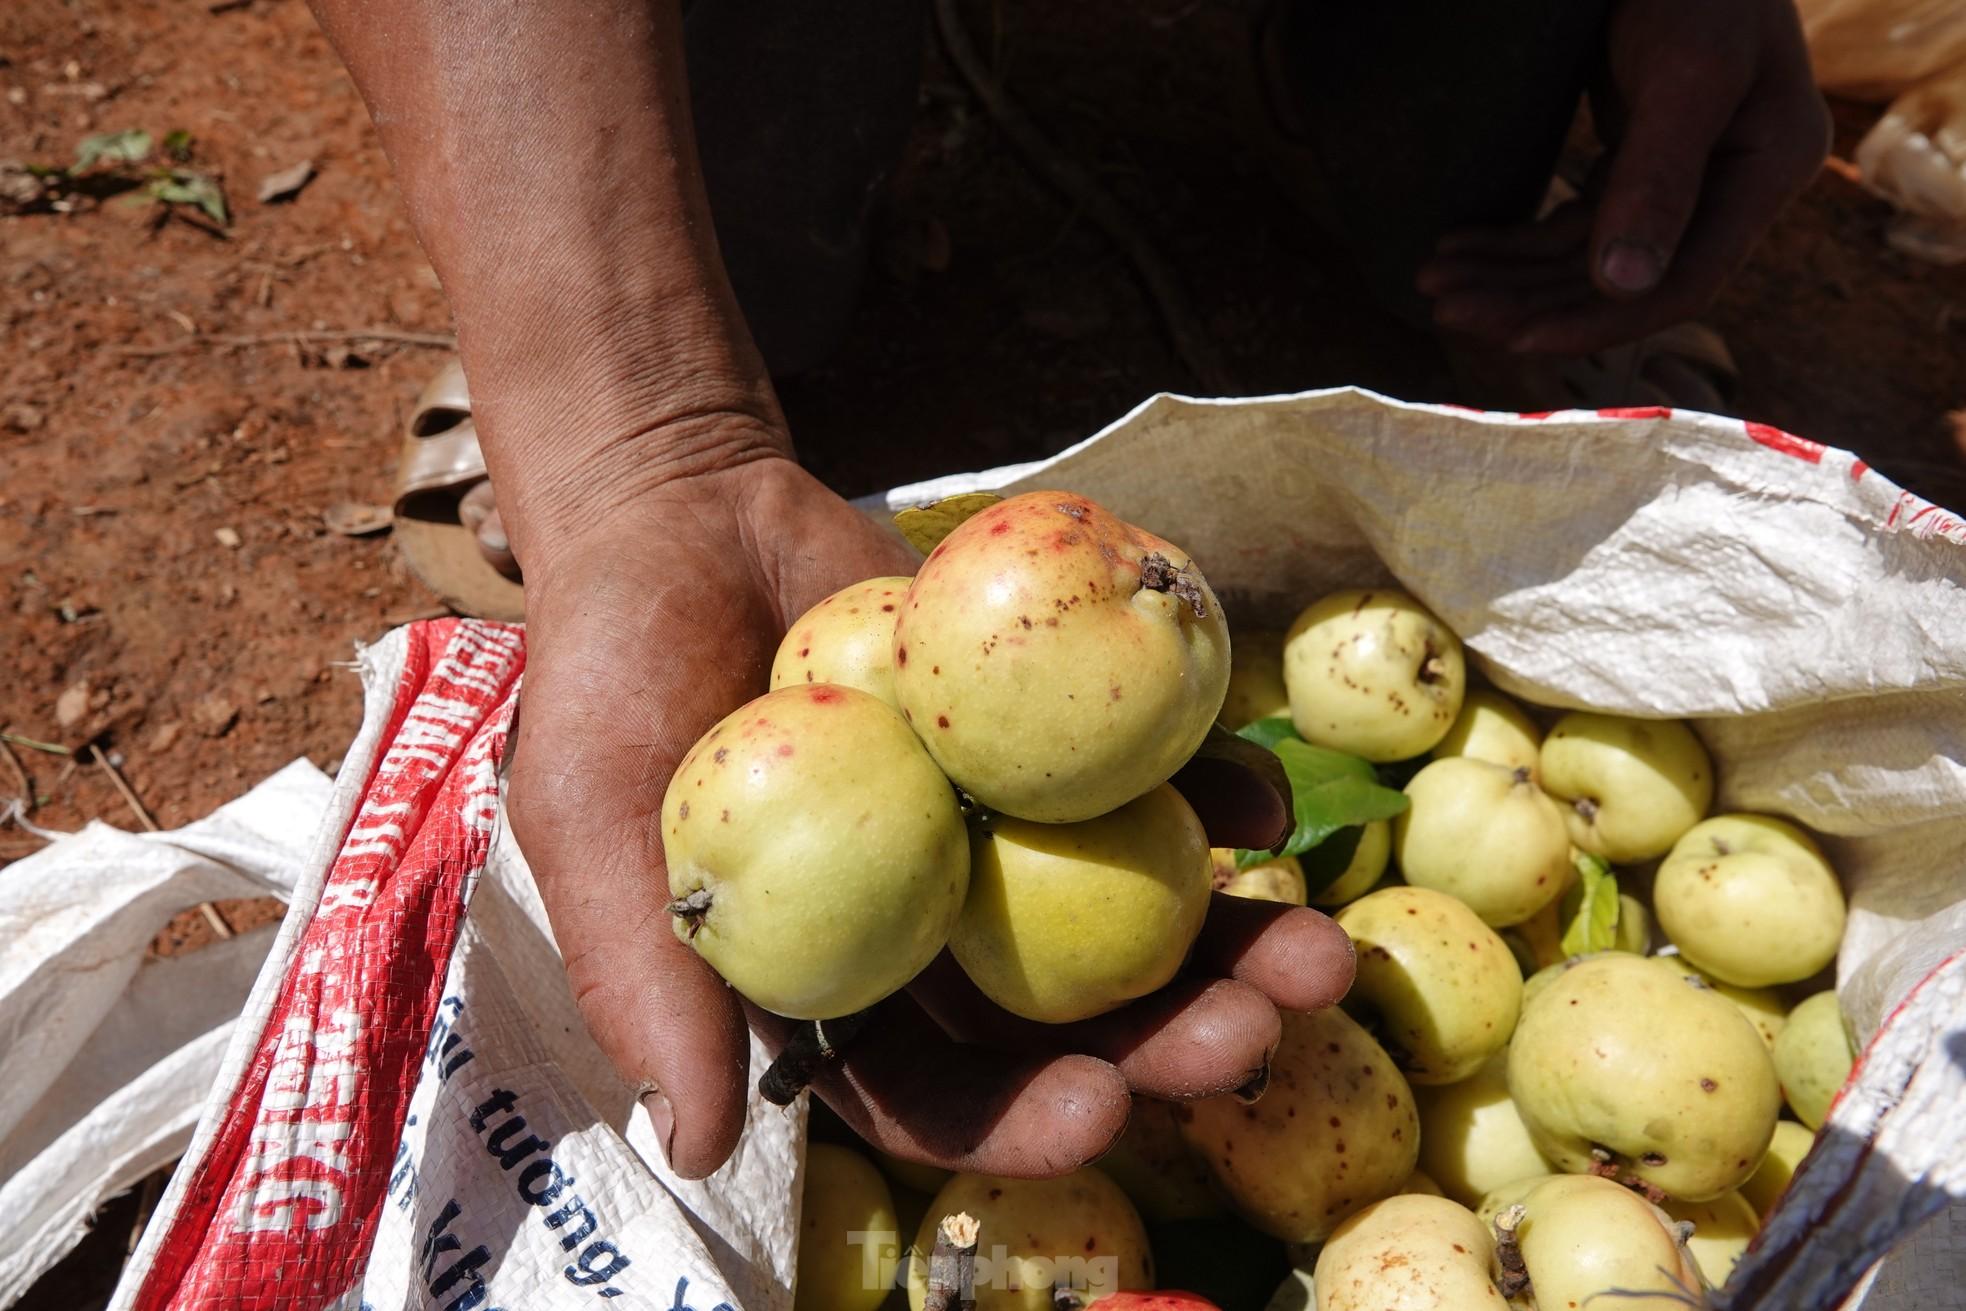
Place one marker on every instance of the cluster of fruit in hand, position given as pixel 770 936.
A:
pixel 1057 666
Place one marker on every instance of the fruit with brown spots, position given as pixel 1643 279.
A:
pixel 1437 986
pixel 1076 1231
pixel 1762 1006
pixel 1335 1131
pixel 1813 1056
pixel 1486 835
pixel 1057 661
pixel 1408 1253
pixel 816 855
pixel 1067 921
pixel 1493 728
pixel 1281 879
pixel 1750 900
pixel 1587 1242
pixel 1157 1170
pixel 847 640
pixel 1620 1065
pixel 1630 787
pixel 1373 673
pixel 1472 1139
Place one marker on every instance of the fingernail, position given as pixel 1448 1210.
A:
pixel 1632 266
pixel 493 538
pixel 1257 1084
pixel 663 1117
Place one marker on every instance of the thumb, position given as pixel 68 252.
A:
pixel 1656 174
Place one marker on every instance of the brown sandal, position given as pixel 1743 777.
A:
pixel 441 461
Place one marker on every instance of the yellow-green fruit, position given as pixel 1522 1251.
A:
pixel 1630 787
pixel 1587 1242
pixel 849 1245
pixel 1750 900
pixel 1538 941
pixel 1057 661
pixel 1722 1229
pixel 1077 1231
pixel 1662 1077
pixel 1771 1178
pixel 1408 1253
pixel 1483 834
pixel 1436 984
pixel 1472 1139
pixel 1373 673
pixel 912 1174
pixel 1157 1170
pixel 1066 921
pixel 1497 1200
pixel 1335 1130
pixel 1256 688
pixel 1493 728
pixel 816 854
pixel 1362 869
pixel 1422 1183
pixel 847 640
pixel 1281 879
pixel 1813 1056
pixel 1762 1006
pixel 1634 930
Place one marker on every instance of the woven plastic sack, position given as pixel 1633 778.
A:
pixel 410 1114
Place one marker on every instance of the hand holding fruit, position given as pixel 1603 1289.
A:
pixel 940 1073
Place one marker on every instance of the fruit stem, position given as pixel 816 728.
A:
pixel 813 1045
pixel 691 910
pixel 952 1264
pixel 1508 1254
pixel 1160 574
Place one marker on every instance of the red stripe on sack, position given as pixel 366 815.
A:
pixel 1635 412
pixel 1858 469
pixel 281 1210
pixel 1786 442
pixel 1534 414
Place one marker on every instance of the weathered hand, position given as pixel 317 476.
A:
pixel 1714 124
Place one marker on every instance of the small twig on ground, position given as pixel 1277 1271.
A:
pixel 123 786
pixel 1162 284
pixel 813 1045
pixel 216 920
pixel 952 1264
pixel 442 340
pixel 35 744
pixel 20 776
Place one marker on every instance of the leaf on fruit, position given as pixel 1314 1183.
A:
pixel 1331 791
pixel 1266 733
pixel 926 525
pixel 1326 863
pixel 1590 909
pixel 1239 790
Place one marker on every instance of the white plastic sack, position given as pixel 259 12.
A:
pixel 410 1114
pixel 107 1055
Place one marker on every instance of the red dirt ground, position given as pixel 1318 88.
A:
pixel 161 538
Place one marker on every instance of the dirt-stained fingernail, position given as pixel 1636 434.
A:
pixel 663 1117
pixel 1256 1085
